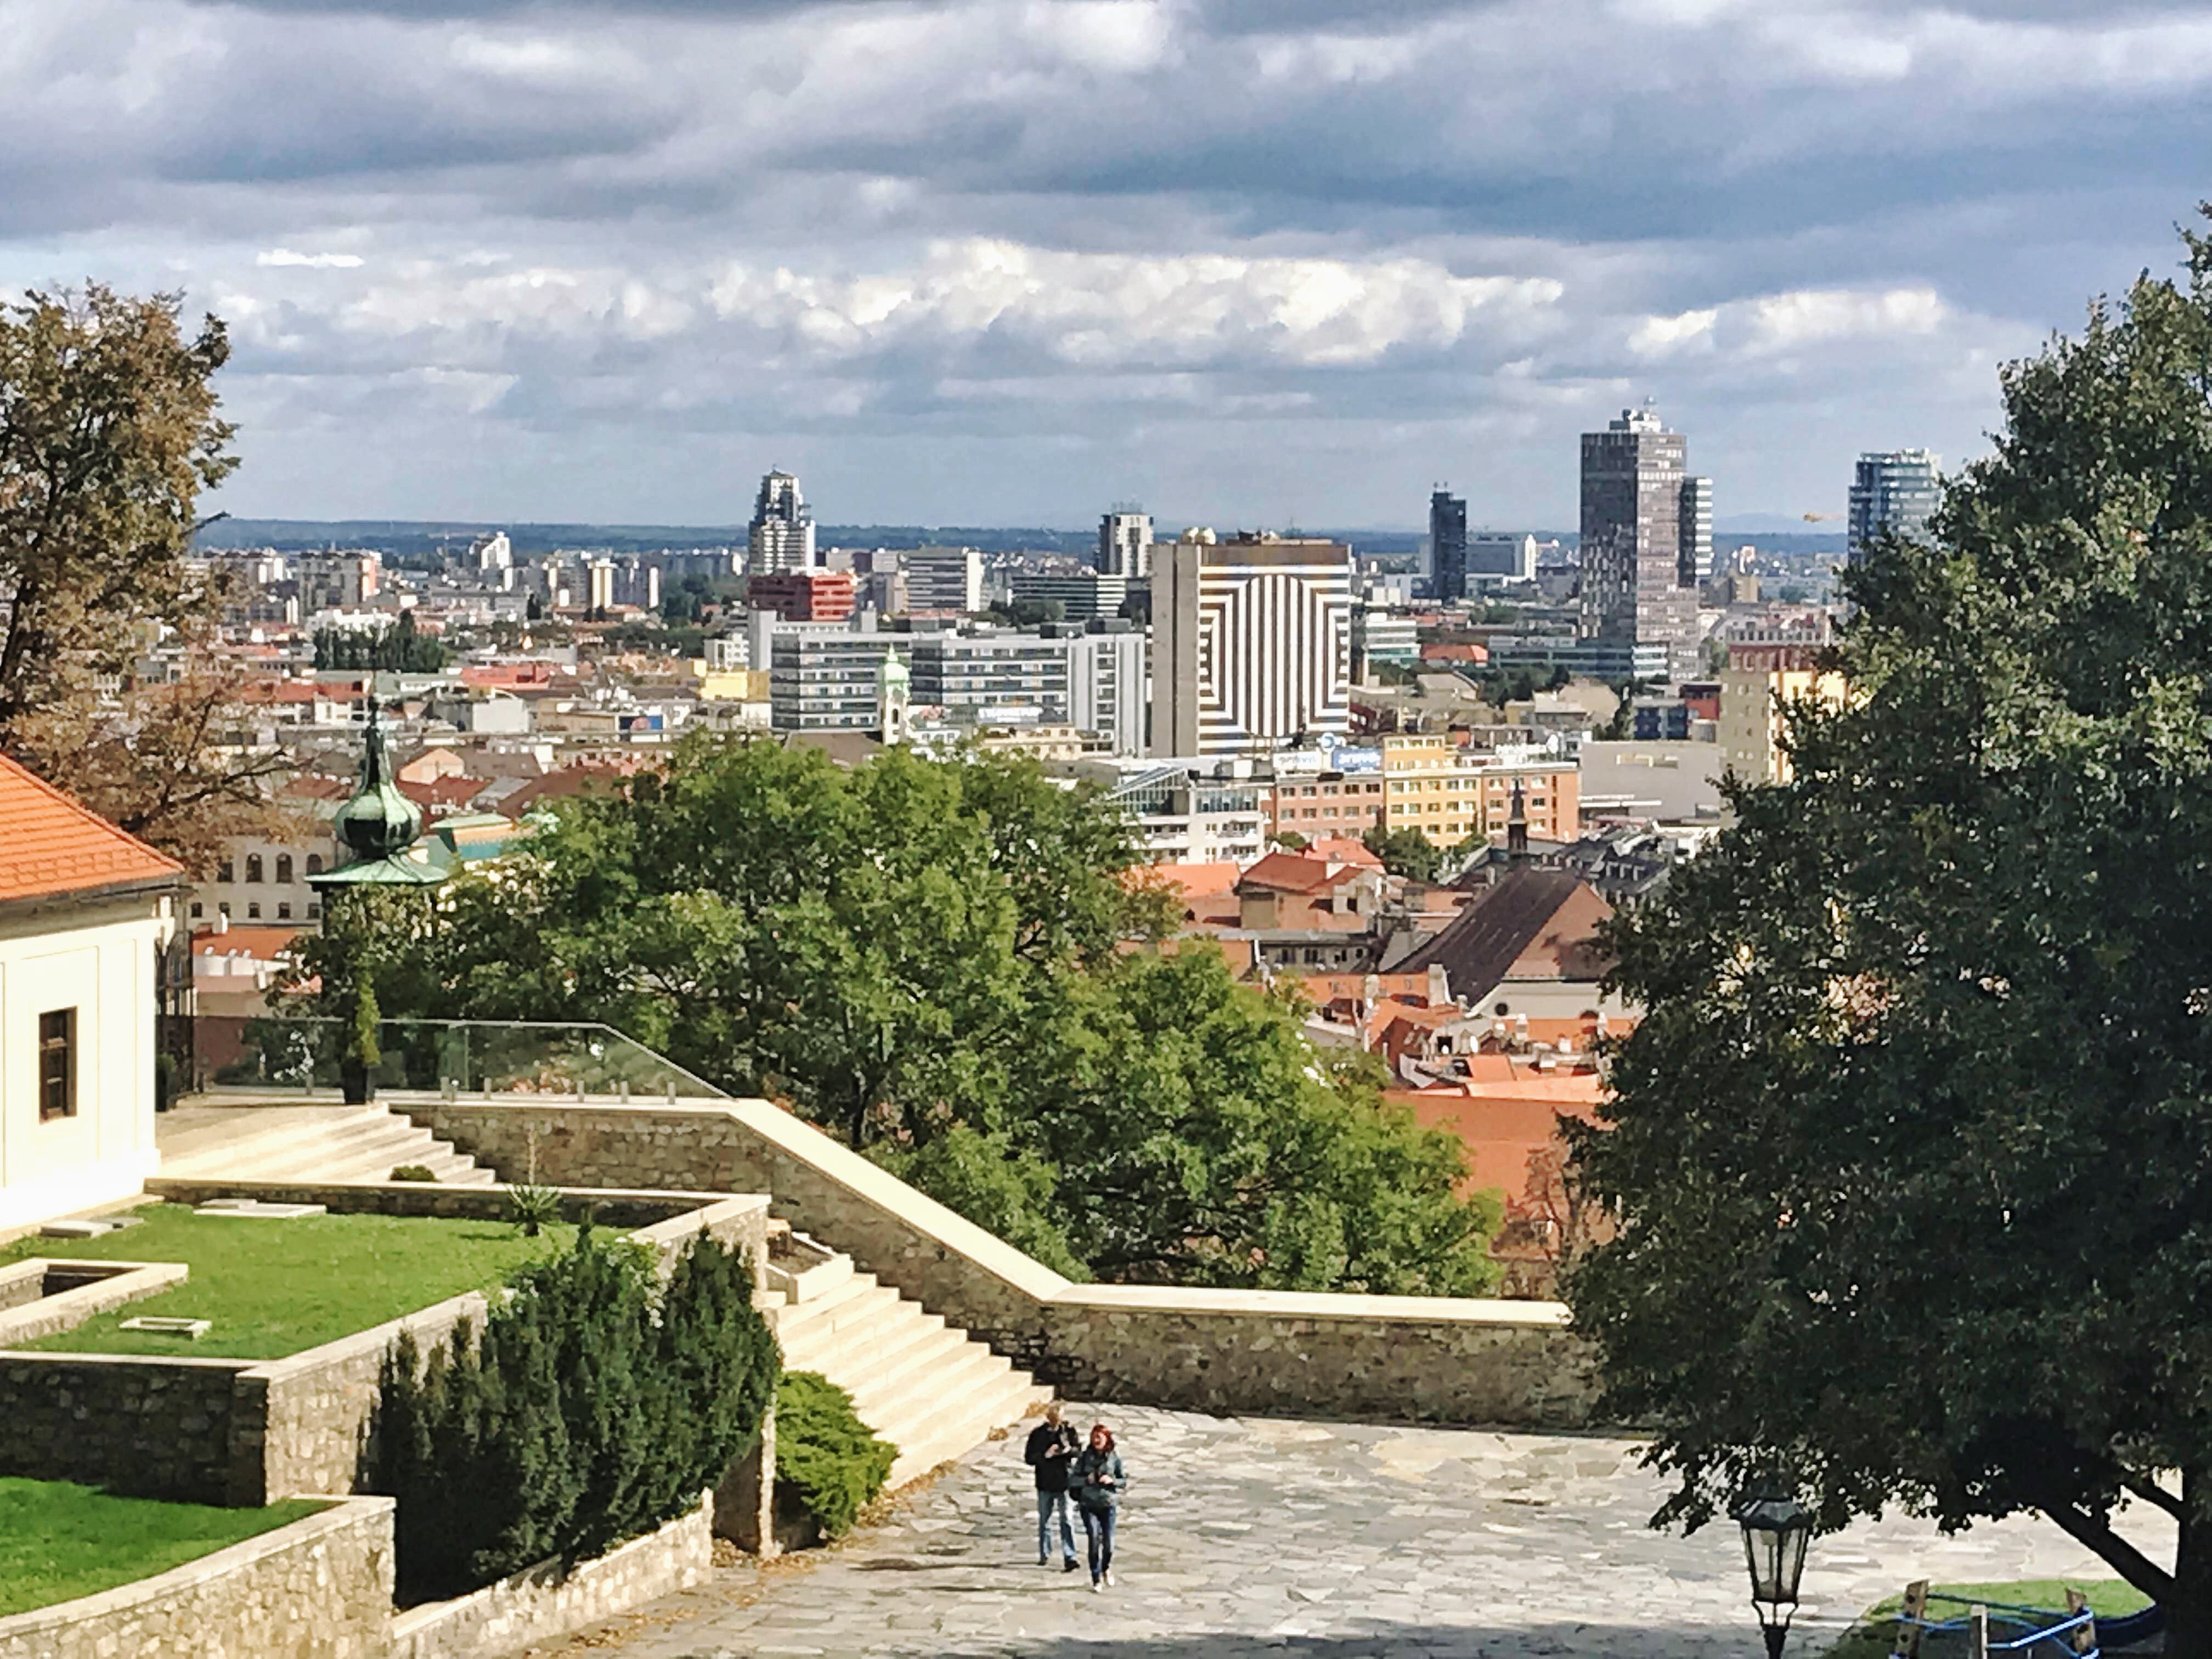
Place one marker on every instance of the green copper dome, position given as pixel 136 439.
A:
pixel 379 822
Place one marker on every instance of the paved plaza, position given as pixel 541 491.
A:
pixel 1250 1536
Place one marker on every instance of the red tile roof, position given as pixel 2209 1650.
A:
pixel 1341 849
pixel 51 845
pixel 263 944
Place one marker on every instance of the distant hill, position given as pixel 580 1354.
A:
pixel 415 541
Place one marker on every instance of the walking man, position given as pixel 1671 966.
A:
pixel 1051 1450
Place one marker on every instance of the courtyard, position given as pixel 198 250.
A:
pixel 1252 1536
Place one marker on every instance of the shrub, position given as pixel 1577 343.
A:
pixel 413 1172
pixel 531 1207
pixel 828 1463
pixel 596 1404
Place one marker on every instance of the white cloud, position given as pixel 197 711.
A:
pixel 285 256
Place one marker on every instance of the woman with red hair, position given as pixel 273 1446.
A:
pixel 1097 1479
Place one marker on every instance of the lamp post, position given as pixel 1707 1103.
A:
pixel 1776 1530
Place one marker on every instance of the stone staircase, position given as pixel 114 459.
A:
pixel 929 1389
pixel 307 1144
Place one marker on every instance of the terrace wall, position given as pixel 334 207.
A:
pixel 318 1589
pixel 1404 1358
pixel 543 1604
pixel 145 1427
pixel 246 1433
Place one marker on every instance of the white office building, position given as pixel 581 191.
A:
pixel 1124 543
pixel 1251 644
pixel 944 579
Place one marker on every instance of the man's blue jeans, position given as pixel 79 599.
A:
pixel 1049 1504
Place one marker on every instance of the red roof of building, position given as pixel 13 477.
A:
pixel 50 845
pixel 1192 880
pixel 262 943
pixel 1342 849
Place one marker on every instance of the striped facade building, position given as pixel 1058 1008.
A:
pixel 1251 643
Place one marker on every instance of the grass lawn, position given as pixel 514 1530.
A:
pixel 59 1542
pixel 1873 1636
pixel 273 1288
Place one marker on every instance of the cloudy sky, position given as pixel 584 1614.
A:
pixel 994 261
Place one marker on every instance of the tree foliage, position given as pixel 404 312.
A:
pixel 396 649
pixel 1907 1152
pixel 1406 852
pixel 108 432
pixel 597 1404
pixel 830 1465
pixel 947 965
pixel 176 763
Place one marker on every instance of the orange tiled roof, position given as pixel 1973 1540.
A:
pixel 263 944
pixel 1193 880
pixel 1341 849
pixel 51 845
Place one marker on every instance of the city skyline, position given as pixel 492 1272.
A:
pixel 610 261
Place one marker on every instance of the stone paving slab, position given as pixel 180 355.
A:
pixel 1249 1537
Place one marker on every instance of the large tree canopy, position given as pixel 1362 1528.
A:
pixel 945 964
pixel 1909 1150
pixel 108 432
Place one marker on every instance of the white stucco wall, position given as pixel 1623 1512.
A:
pixel 99 960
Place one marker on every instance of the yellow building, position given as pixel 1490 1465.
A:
pixel 1432 785
pixel 1757 684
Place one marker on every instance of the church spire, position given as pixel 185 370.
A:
pixel 1517 827
pixel 379 821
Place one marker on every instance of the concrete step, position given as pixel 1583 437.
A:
pixel 898 1404
pixel 257 1131
pixel 900 1351
pixel 956 1432
pixel 849 1343
pixel 308 1144
pixel 363 1152
pixel 814 1326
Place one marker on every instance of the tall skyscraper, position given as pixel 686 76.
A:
pixel 1125 542
pixel 782 529
pixel 1251 643
pixel 1447 545
pixel 1695 532
pixel 1896 489
pixel 1633 592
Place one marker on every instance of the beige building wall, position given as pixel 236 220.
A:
pixel 1753 697
pixel 1432 785
pixel 98 960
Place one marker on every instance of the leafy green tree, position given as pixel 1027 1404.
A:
pixel 109 433
pixel 1197 1138
pixel 1908 1151
pixel 933 960
pixel 1406 852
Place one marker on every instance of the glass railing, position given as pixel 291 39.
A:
pixel 278 1054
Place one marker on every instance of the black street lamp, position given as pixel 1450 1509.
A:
pixel 1776 1530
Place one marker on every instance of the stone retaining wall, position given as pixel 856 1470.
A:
pixel 42 1297
pixel 318 1589
pixel 246 1433
pixel 1406 1358
pixel 148 1428
pixel 540 1605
